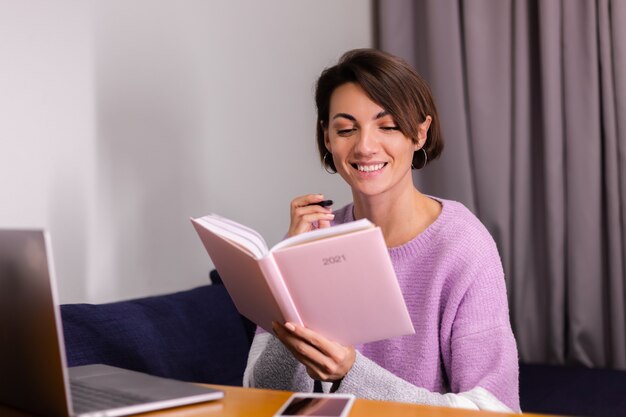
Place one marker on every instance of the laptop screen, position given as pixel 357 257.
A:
pixel 32 366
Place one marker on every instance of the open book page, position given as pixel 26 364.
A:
pixel 254 243
pixel 324 233
pixel 239 234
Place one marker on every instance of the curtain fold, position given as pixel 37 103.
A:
pixel 532 98
pixel 613 101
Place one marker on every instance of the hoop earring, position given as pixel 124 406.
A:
pixel 327 167
pixel 414 158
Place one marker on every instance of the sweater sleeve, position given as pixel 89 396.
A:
pixel 270 365
pixel 479 344
pixel 389 387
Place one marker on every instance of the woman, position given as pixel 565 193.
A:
pixel 376 122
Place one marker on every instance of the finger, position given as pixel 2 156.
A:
pixel 316 373
pixel 305 200
pixel 294 343
pixel 312 218
pixel 323 224
pixel 281 333
pixel 301 212
pixel 301 207
pixel 299 346
pixel 316 340
pixel 308 210
pixel 319 366
pixel 308 222
pixel 306 354
pixel 322 367
pixel 332 360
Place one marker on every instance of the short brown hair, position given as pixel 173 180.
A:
pixel 392 84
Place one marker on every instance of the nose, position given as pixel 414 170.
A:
pixel 366 143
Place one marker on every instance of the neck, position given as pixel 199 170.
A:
pixel 401 217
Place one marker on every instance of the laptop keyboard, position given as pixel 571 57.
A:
pixel 87 398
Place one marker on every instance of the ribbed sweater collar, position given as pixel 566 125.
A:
pixel 419 243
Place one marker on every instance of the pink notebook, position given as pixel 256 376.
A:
pixel 338 281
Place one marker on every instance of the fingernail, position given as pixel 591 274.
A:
pixel 290 327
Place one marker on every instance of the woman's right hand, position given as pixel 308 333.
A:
pixel 307 216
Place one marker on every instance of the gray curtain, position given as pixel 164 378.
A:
pixel 532 98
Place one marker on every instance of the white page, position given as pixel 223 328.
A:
pixel 237 233
pixel 252 241
pixel 318 234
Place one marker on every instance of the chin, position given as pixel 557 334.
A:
pixel 369 191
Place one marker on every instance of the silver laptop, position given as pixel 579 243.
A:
pixel 33 372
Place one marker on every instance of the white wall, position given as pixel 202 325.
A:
pixel 47 128
pixel 128 117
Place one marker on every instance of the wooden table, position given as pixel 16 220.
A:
pixel 249 402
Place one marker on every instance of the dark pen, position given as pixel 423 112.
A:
pixel 323 203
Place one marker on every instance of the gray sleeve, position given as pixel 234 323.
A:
pixel 368 380
pixel 271 365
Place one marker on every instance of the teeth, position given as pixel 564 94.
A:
pixel 370 168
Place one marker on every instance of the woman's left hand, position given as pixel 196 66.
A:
pixel 324 360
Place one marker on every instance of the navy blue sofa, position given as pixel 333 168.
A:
pixel 572 390
pixel 198 335
pixel 195 335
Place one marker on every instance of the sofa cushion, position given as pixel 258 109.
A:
pixel 572 390
pixel 195 335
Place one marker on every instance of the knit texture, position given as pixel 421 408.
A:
pixel 453 284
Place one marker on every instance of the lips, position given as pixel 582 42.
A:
pixel 369 167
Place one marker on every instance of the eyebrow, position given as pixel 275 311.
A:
pixel 352 118
pixel 345 116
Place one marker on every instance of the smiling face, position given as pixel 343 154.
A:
pixel 369 151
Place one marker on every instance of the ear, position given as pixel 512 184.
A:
pixel 326 138
pixel 422 131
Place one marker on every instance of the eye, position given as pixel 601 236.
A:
pixel 346 132
pixel 389 128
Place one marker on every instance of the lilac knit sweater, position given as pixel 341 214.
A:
pixel 463 352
